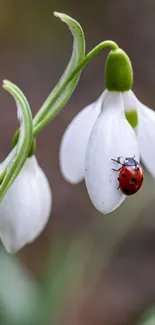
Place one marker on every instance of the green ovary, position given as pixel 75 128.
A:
pixel 118 71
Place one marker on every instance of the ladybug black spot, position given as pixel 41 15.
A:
pixel 123 175
pixel 126 191
pixel 142 179
pixel 133 180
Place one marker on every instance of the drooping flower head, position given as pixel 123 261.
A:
pixel 111 127
pixel 25 193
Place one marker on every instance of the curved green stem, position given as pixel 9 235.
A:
pixel 76 57
pixel 47 116
pixel 59 92
pixel 14 162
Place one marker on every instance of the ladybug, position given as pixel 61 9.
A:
pixel 130 175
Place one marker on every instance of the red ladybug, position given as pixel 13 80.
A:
pixel 130 176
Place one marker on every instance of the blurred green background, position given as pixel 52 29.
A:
pixel 97 269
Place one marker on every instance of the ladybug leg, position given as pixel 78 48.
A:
pixel 118 160
pixel 116 170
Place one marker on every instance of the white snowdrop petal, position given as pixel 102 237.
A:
pixel 145 130
pixel 26 207
pixel 111 137
pixel 129 100
pixel 74 142
pixel 146 136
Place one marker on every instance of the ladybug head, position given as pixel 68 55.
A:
pixel 130 162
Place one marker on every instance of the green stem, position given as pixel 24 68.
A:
pixel 45 117
pixel 49 117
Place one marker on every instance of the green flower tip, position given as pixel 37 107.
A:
pixel 118 71
pixel 5 84
pixel 57 14
pixel 60 15
pixel 132 118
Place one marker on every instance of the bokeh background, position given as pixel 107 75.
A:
pixel 98 269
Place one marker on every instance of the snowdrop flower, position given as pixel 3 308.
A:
pixel 104 131
pixel 26 207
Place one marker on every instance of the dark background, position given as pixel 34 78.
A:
pixel 114 255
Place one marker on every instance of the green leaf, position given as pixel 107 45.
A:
pixel 57 99
pixel 148 318
pixel 15 161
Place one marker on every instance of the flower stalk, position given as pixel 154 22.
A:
pixel 49 116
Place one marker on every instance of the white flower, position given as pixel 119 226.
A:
pixel 117 125
pixel 26 207
pixel 106 137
